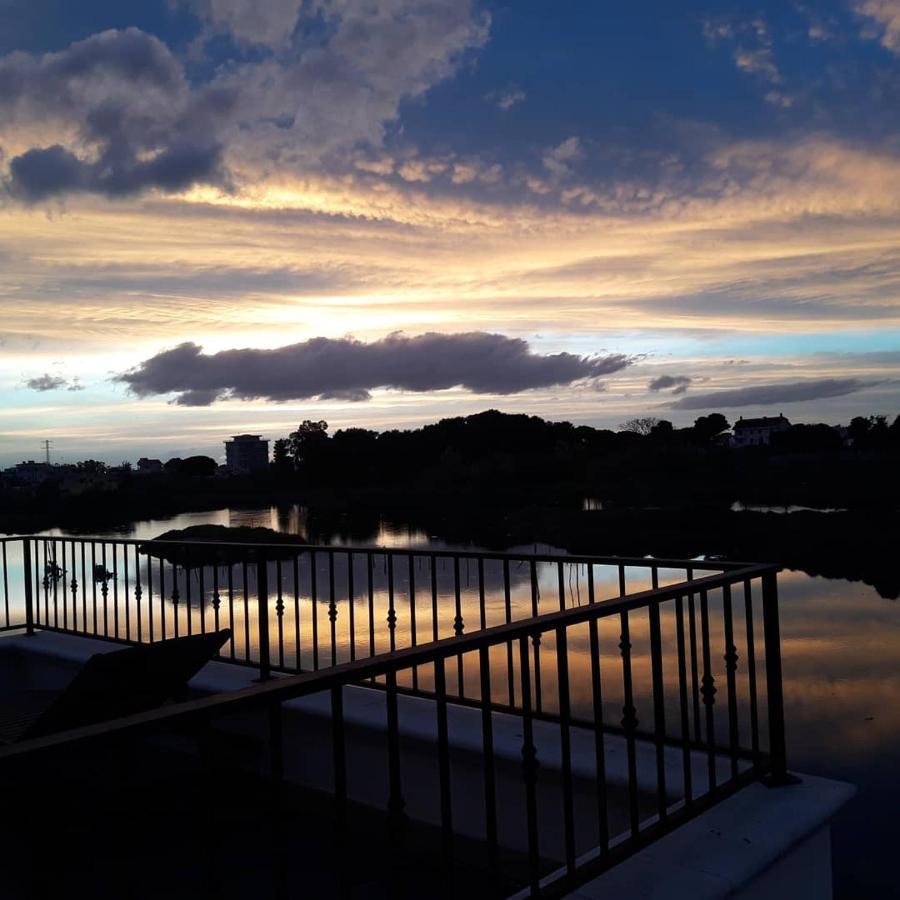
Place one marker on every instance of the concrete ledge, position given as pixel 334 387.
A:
pixel 762 842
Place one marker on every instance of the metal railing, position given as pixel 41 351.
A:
pixel 641 666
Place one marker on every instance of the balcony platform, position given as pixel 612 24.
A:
pixel 760 842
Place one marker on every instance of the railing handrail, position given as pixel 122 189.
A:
pixel 352 673
pixel 428 552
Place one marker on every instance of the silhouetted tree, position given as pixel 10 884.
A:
pixel 282 455
pixel 707 428
pixel 92 467
pixel 308 441
pixel 643 425
pixel 198 467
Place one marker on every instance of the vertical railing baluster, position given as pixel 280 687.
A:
pixel 201 590
pixel 529 767
pixel 175 598
pixel 350 606
pixel 622 581
pixel 73 585
pixel 481 597
pixel 84 616
pixel 62 576
pixel 659 709
pixel 774 688
pixel 392 610
pixel 332 607
pixel 629 722
pixel 731 661
pixel 126 591
pixel 27 567
pixel 565 741
pixel 507 607
pixel 279 611
pixel 46 585
pixel 561 585
pixel 695 676
pixel 412 616
pixel 162 598
pixel 104 589
pixel 55 567
pixel 187 598
pixel 536 640
pixel 370 565
pixel 708 690
pixel 751 671
pixel 137 596
pixel 6 585
pixel 298 664
pixel 599 743
pixel 435 618
pixel 458 625
pixel 687 774
pixel 314 603
pixel 231 623
pixel 94 584
pixel 217 598
pixel 115 580
pixel 262 616
pixel 150 596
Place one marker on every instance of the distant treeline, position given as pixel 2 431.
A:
pixel 523 458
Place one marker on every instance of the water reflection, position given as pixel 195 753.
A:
pixel 841 651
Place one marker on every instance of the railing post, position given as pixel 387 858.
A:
pixel 778 774
pixel 29 586
pixel 262 605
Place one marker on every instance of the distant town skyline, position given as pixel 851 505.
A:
pixel 221 218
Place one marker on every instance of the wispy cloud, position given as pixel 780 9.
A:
pixel 884 21
pixel 775 394
pixel 677 384
pixel 752 52
pixel 48 382
pixel 506 98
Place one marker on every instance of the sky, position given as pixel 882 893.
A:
pixel 221 216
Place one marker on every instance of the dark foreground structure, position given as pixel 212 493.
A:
pixel 404 723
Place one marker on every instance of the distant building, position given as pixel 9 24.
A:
pixel 246 453
pixel 32 472
pixel 149 466
pixel 757 432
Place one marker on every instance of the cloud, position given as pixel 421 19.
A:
pixel 345 368
pixel 115 114
pixel 40 174
pixel 50 382
pixel 560 159
pixel 507 98
pixel 886 16
pixel 774 394
pixel 752 53
pixel 271 23
pixel 678 383
pixel 125 116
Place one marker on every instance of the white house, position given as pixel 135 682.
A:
pixel 757 432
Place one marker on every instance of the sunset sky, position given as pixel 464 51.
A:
pixel 220 216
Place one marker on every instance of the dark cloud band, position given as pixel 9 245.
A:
pixel 773 394
pixel 349 369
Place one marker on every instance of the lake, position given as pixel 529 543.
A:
pixel 841 652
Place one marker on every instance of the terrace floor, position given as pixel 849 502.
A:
pixel 142 822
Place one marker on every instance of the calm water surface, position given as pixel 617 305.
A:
pixel 841 650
